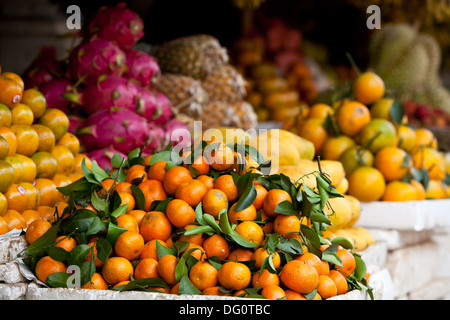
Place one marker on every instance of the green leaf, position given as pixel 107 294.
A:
pixel 210 221
pixel 144 284
pixel 397 111
pixel 161 250
pixel 117 160
pixel 79 185
pixel 139 197
pixel 360 269
pixel 99 173
pixel 286 207
pixel 98 203
pixel 310 295
pixel 42 244
pixel 343 242
pixel 199 229
pixel 58 279
pixel 114 232
pixel 160 205
pixel 247 198
pixel 79 221
pixel 186 286
pixel 160 156
pixel 87 270
pixel 104 249
pixel 240 240
pixel 78 254
pixel 120 210
pixel 199 214
pixel 58 254
pixel 96 226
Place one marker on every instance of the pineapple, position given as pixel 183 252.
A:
pixel 195 55
pixel 226 84
pixel 222 114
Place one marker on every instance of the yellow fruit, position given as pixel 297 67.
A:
pixel 431 160
pixel 366 184
pixel 377 134
pixel 339 211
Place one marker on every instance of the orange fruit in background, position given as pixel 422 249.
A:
pixel 420 190
pixel 155 225
pixel 220 159
pixel 327 288
pixel 93 254
pixel 334 147
pixel 234 275
pixel 377 134
pixel 46 212
pixel 15 77
pixel 11 93
pixel 36 229
pixel 152 190
pixel 46 165
pixel 4 148
pixel 251 231
pixel 35 100
pixel 406 138
pixel 166 268
pixel 5 116
pixel 174 177
pixel 191 191
pixel 129 245
pixel 264 279
pixel 107 185
pixel 29 168
pixel 30 215
pixel 424 138
pixel 22 196
pixel 247 214
pixel 261 253
pixel 56 120
pixel 14 219
pixel 339 280
pixel 273 292
pixel 354 157
pixel 65 242
pixel 4 228
pixel 6 175
pixel 435 190
pixel 293 295
pixel 180 213
pixel 207 181
pixel 123 187
pixel 157 171
pixel 22 114
pixel 47 139
pixel 11 138
pixel 128 222
pixel 71 142
pixel 150 249
pixel 18 168
pixel 117 269
pixel 312 260
pixel 286 225
pixel 198 253
pixel 146 268
pixel 127 198
pixel 431 160
pixel 314 131
pixel 299 277
pixel 97 283
pixel 272 199
pixel 27 139
pixel 261 193
pixel 3 204
pixel 348 262
pixel 368 87
pixel 214 201
pixel 366 184
pixel 64 158
pixel 399 191
pixel 320 111
pixel 47 266
pixel 78 159
pixel 195 238
pixel 216 245
pixel 137 214
pixel 240 254
pixel 391 163
pixel 200 164
pixel 48 193
pixel 351 117
pixel 226 184
pixel 121 283
pixel 203 275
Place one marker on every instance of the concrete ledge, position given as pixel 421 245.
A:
pixel 10 246
pixel 16 291
pixel 10 273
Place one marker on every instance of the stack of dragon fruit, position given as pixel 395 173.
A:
pixel 106 86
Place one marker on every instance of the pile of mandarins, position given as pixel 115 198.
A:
pixel 201 226
pixel 383 156
pixel 37 155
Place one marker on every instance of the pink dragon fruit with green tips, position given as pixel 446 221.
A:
pixel 75 123
pixel 94 58
pixel 120 128
pixel 156 141
pixel 104 156
pixel 177 133
pixel 106 92
pixel 154 106
pixel 118 24
pixel 53 91
pixel 142 68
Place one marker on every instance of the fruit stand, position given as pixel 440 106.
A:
pixel 136 166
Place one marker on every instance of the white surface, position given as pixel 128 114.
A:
pixel 407 215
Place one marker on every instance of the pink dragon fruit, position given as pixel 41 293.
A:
pixel 53 91
pixel 178 133
pixel 156 142
pixel 154 106
pixel 75 123
pixel 142 68
pixel 44 68
pixel 105 93
pixel 120 128
pixel 104 156
pixel 118 24
pixel 94 58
